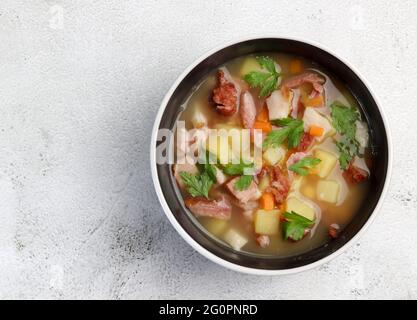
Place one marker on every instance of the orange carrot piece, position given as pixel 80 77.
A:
pixel 267 201
pixel 263 116
pixel 296 66
pixel 314 102
pixel 264 126
pixel 316 131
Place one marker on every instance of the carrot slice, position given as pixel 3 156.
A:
pixel 264 126
pixel 267 201
pixel 314 102
pixel 263 116
pixel 296 66
pixel 316 131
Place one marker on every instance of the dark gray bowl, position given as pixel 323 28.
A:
pixel 185 223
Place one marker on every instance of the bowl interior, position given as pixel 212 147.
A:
pixel 378 143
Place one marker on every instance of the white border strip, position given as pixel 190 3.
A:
pixel 207 253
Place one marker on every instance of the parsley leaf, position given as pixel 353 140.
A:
pixel 242 169
pixel 237 169
pixel 347 152
pixel 268 86
pixel 197 184
pixel 256 79
pixel 295 225
pixel 301 167
pixel 344 121
pixel 292 130
pixel 294 137
pixel 275 137
pixel 266 63
pixel 211 171
pixel 208 168
pixel 243 182
pixel 267 81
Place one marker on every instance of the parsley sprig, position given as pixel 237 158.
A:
pixel 302 167
pixel 242 169
pixel 232 169
pixel 197 184
pixel 267 81
pixel 207 167
pixel 295 225
pixel 344 121
pixel 243 182
pixel 292 130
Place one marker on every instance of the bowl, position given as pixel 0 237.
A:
pixel 185 224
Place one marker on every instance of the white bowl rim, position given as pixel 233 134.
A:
pixel 207 253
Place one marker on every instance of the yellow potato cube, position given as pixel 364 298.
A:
pixel 328 161
pixel 273 155
pixel 328 190
pixel 264 183
pixel 250 64
pixel 267 222
pixel 300 207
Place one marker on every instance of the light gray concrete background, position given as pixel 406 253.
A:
pixel 80 84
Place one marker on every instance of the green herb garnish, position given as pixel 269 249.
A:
pixel 267 81
pixel 208 168
pixel 344 121
pixel 200 184
pixel 301 167
pixel 292 130
pixel 197 184
pixel 243 170
pixel 237 169
pixel 243 182
pixel 295 225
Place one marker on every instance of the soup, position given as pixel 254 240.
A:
pixel 272 155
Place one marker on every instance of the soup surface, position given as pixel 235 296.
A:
pixel 272 155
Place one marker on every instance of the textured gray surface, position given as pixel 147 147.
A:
pixel 78 214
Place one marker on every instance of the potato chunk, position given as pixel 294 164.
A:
pixel 267 222
pixel 235 239
pixel 264 183
pixel 328 161
pixel 273 155
pixel 328 190
pixel 300 207
pixel 250 64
